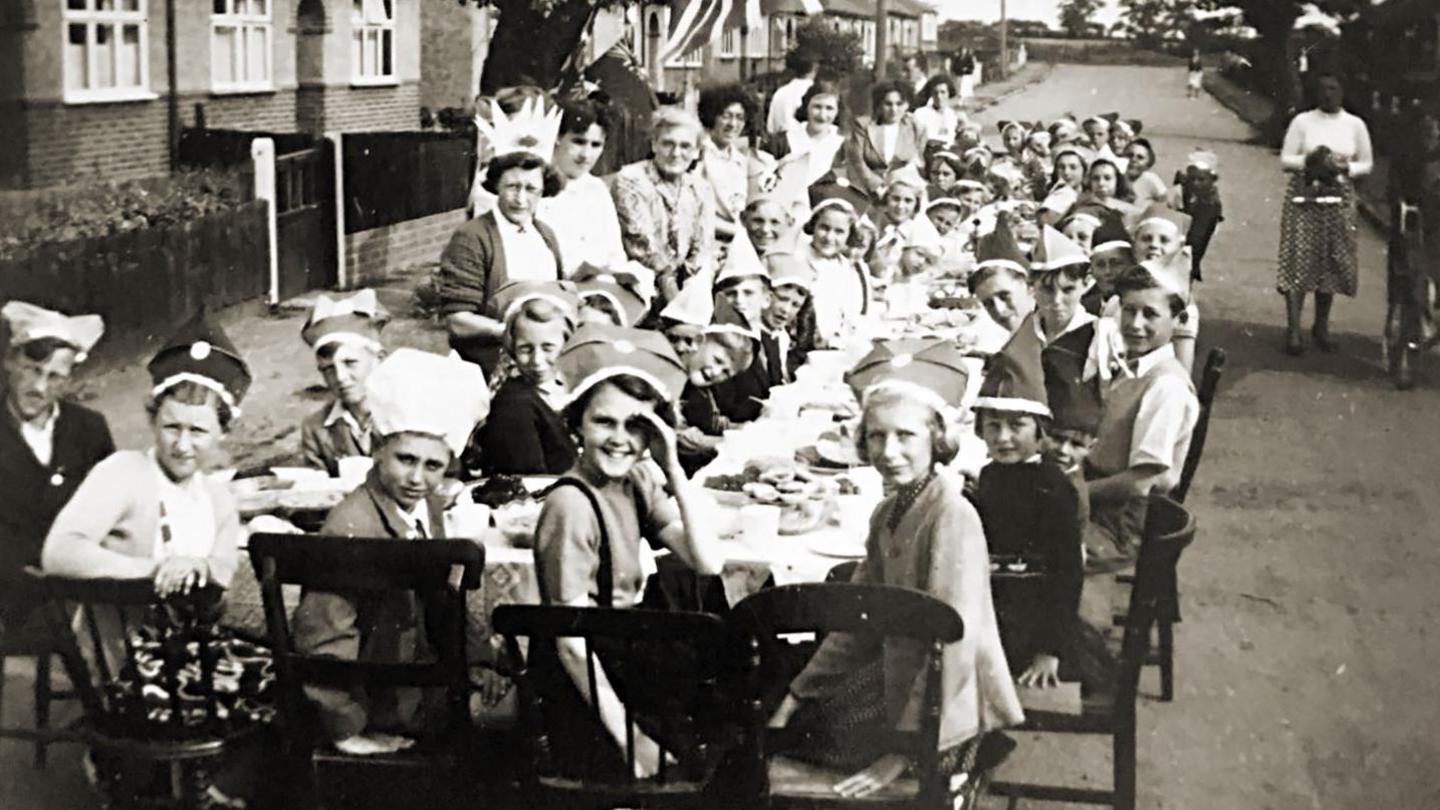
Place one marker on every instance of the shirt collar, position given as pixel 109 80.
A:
pixel 47 427
pixel 1149 361
pixel 338 413
pixel 420 514
pixel 506 226
pixel 1078 320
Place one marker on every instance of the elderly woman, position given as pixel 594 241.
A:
pixel 627 487
pixel 155 513
pixel 889 139
pixel 582 214
pixel 925 535
pixel 1325 149
pixel 727 161
pixel 667 218
pixel 502 245
pixel 47 444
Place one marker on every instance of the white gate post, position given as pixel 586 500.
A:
pixel 342 276
pixel 262 154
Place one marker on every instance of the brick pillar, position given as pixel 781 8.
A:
pixel 311 27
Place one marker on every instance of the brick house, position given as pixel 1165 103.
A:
pixel 85 87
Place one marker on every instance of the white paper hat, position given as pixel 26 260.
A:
pixel 418 392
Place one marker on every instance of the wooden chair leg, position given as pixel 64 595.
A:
pixel 1123 762
pixel 1167 661
pixel 42 706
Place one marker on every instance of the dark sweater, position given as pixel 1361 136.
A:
pixel 524 435
pixel 1033 510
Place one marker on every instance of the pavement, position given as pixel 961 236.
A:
pixel 1304 669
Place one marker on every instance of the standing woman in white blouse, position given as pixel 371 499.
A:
pixel 582 215
pixel 1325 150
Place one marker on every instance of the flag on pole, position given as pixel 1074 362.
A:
pixel 700 23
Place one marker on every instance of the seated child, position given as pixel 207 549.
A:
pixel 841 295
pixel 1079 227
pixel 743 286
pixel 947 215
pixel 943 169
pixel 609 297
pixel 1150 411
pixel 525 434
pixel 345 336
pixel 1030 509
pixel 1001 275
pixel 1110 255
pixel 1075 413
pixel 766 221
pixel 791 280
pixel 424 407
pixel 1159 235
pixel 895 219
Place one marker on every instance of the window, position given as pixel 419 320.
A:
pixel 727 42
pixel 372 43
pixel 240 45
pixel 105 51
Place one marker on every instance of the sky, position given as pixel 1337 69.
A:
pixel 989 10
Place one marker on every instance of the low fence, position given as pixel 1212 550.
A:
pixel 393 177
pixel 148 281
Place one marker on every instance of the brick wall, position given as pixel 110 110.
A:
pixel 267 112
pixel 119 141
pixel 373 254
pixel 359 109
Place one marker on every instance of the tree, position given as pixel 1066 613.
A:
pixel 1151 22
pixel 1075 16
pixel 533 39
pixel 838 52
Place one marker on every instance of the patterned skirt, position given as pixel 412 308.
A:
pixel 1317 243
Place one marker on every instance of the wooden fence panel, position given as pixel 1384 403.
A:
pixel 146 282
pixel 392 177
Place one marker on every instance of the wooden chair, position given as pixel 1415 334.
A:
pixel 1163 655
pixel 134 725
pixel 1169 528
pixel 1209 383
pixel 877 610
pixel 446 764
pixel 610 628
pixel 33 640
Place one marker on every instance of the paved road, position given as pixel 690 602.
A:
pixel 1306 657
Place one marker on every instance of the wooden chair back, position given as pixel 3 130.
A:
pixel 443 570
pixel 878 611
pixel 1209 384
pixel 101 624
pixel 627 628
pixel 1169 529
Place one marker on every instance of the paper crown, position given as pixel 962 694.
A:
pixel 836 190
pixel 790 270
pixel 354 319
pixel 1015 381
pixel 1203 159
pixel 1005 126
pixel 1064 126
pixel 728 320
pixel 1099 119
pixel 29 323
pixel 412 391
pixel 598 352
pixel 695 304
pixel 1079 214
pixel 200 352
pixel 1074 404
pixel 1111 235
pixel 907 175
pixel 1172 273
pixel 944 202
pixel 1055 250
pixel 509 299
pixel 1086 156
pixel 1039 137
pixel 785 184
pixel 1130 126
pixel 979 152
pixel 626 305
pixel 933 371
pixel 632 275
pixel 1161 215
pixel 741 261
pixel 966 184
pixel 998 248
pixel 530 129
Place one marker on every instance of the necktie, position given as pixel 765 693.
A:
pixel 420 529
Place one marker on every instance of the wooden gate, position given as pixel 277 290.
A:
pixel 305 219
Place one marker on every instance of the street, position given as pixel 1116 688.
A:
pixel 1304 674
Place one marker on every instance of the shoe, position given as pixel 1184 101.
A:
pixel 1323 341
pixel 1294 346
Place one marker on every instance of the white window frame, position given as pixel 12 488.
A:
pixel 368 29
pixel 248 26
pixel 93 17
pixel 728 38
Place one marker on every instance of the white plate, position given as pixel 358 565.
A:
pixel 840 453
pixel 840 546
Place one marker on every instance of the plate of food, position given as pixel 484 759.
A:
pixel 774 480
pixel 837 449
pixel 841 545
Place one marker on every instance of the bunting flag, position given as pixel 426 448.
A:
pixel 700 23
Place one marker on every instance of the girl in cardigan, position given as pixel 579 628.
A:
pixel 925 536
